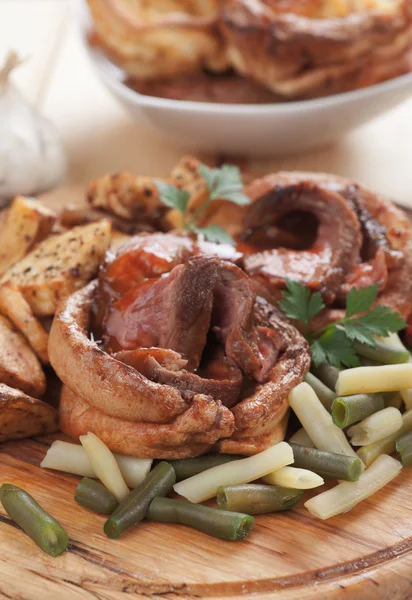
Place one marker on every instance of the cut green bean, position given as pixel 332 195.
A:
pixel 347 410
pixel 393 399
pixel 368 454
pixel 327 374
pixel 188 467
pixel 325 394
pixel 134 507
pixel 404 448
pixel 222 524
pixel 95 496
pixel 368 362
pixel 327 464
pixel 256 499
pixel 387 355
pixel 41 527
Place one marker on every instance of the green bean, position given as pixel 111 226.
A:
pixel 325 394
pixel 404 448
pixel 188 467
pixel 347 410
pixel 95 496
pixel 221 524
pixel 382 353
pixel 42 528
pixel 393 399
pixel 134 507
pixel 327 374
pixel 327 464
pixel 255 499
pixel 368 362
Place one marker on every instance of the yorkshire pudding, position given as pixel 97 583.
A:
pixel 190 358
pixel 159 38
pixel 312 48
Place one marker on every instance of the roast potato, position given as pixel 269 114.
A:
pixel 14 306
pixel 19 366
pixel 59 266
pixel 26 223
pixel 22 416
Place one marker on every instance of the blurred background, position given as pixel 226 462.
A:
pixel 101 137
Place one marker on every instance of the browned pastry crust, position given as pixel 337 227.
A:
pixel 306 51
pixel 206 87
pixel 169 441
pixel 159 38
pixel 191 433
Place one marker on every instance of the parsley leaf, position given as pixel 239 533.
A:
pixel 381 320
pixel 334 343
pixel 356 331
pixel 336 349
pixel 225 183
pixel 299 304
pixel 214 233
pixel 173 196
pixel 359 301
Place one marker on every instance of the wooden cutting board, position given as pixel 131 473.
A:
pixel 363 555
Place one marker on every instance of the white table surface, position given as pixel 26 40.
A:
pixel 100 137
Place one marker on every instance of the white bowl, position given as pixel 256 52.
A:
pixel 267 129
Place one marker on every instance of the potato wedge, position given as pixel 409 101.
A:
pixel 27 222
pixel 14 306
pixel 19 366
pixel 22 416
pixel 59 266
pixel 127 196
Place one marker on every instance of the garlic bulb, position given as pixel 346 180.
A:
pixel 31 155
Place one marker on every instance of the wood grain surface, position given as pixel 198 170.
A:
pixel 363 555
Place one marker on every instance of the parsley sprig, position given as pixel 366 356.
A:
pixel 224 183
pixel 334 343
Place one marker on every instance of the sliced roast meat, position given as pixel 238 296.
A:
pixel 148 256
pixel 172 312
pixel 385 228
pixel 367 273
pixel 259 417
pixel 335 250
pixel 232 318
pixel 219 378
pixel 138 358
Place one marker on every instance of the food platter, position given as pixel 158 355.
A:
pixel 367 554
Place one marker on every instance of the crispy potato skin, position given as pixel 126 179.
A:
pixel 60 265
pixel 19 366
pixel 22 416
pixel 14 306
pixel 27 222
